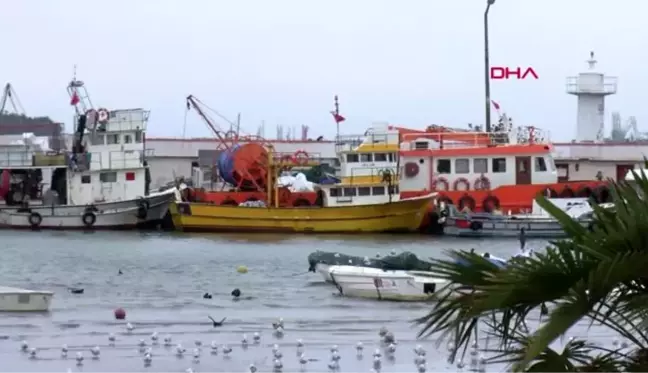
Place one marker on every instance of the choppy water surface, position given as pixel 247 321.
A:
pixel 164 278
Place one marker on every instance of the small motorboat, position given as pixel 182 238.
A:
pixel 23 300
pixel 375 283
pixel 322 261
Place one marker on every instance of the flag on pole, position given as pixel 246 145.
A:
pixel 75 99
pixel 337 117
pixel 495 105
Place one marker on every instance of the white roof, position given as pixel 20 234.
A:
pixel 10 290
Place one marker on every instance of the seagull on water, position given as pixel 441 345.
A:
pixel 257 337
pixel 217 323
pixel 214 347
pixel 95 351
pixel 79 358
pixel 24 346
pixel 253 368
pixel 129 327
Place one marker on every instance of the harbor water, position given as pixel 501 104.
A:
pixel 164 277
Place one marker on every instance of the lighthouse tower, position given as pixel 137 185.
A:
pixel 591 87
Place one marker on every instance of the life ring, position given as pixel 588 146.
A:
pixel 602 194
pixel 103 116
pixel 442 181
pixel 35 219
pixel 411 169
pixel 490 204
pixel 466 201
pixel 89 219
pixel 482 183
pixel 549 193
pixel 301 157
pixel 461 181
pixel 476 225
pixel 567 193
pixel 584 192
pixel 229 202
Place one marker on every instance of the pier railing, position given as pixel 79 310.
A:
pixel 379 141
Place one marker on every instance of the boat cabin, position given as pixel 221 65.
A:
pixel 462 161
pixel 107 163
pixel 368 168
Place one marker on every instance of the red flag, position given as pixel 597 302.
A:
pixel 337 117
pixel 495 105
pixel 75 99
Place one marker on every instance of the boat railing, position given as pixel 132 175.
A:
pixel 297 159
pixel 22 157
pixel 528 135
pixel 350 143
pixel 371 175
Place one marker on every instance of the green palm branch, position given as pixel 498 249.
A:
pixel 598 274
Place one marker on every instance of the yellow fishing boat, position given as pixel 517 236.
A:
pixel 365 200
pixel 398 216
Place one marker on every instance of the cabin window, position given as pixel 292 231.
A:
pixel 540 164
pixel 335 192
pixel 86 179
pixel 421 145
pixel 380 157
pixel 480 165
pixel 443 166
pixel 353 158
pixel 108 177
pixel 393 189
pixel 138 136
pixel 364 191
pixel 366 157
pixel 99 140
pixel 499 165
pixel 350 192
pixel 112 139
pixel 128 139
pixel 378 191
pixel 462 166
pixel 393 157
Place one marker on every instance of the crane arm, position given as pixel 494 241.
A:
pixel 9 94
pixel 193 102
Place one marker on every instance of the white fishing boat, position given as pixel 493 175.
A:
pixel 374 283
pixel 22 300
pixel 102 183
pixel 537 224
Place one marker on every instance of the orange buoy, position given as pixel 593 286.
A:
pixel 120 314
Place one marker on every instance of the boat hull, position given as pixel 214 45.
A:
pixel 505 227
pixel 372 283
pixel 111 215
pixel 400 216
pixel 324 271
pixel 18 300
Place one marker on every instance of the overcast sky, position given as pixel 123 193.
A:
pixel 408 62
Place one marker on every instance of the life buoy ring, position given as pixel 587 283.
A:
pixel 482 183
pixel 567 193
pixel 89 219
pixel 584 192
pixel 549 193
pixel 490 204
pixel 103 116
pixel 35 219
pixel 301 157
pixel 476 225
pixel 461 181
pixel 411 169
pixel 229 202
pixel 441 181
pixel 602 194
pixel 466 201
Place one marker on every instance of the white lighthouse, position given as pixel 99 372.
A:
pixel 591 87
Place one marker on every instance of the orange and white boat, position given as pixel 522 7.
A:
pixel 490 172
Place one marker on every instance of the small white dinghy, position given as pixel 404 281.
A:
pixel 22 300
pixel 375 283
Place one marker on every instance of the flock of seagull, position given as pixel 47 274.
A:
pixel 388 343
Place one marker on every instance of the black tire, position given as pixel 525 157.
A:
pixel 476 225
pixel 35 219
pixel 89 219
pixel 142 212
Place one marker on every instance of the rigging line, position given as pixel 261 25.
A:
pixel 184 126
